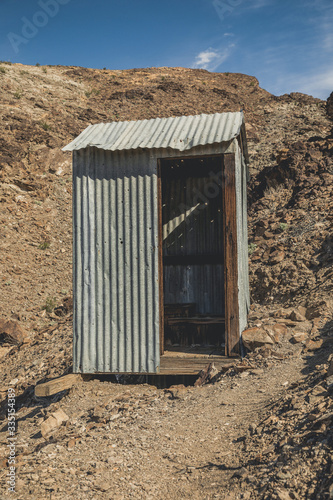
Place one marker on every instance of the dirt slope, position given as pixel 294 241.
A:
pixel 43 108
pixel 261 431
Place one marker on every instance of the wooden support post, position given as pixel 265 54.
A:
pixel 230 256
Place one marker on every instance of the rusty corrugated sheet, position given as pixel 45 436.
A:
pixel 116 298
pixel 181 133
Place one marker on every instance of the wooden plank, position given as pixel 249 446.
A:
pixel 188 260
pixel 230 256
pixel 194 351
pixel 193 360
pixel 192 366
pixel 193 157
pixel 160 255
pixel 57 385
pixel 179 310
pixel 195 320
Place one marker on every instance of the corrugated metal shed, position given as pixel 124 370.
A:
pixel 117 308
pixel 181 133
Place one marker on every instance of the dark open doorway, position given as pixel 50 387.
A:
pixel 192 255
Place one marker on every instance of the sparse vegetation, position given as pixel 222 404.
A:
pixel 50 304
pixel 44 245
pixel 17 95
pixel 45 70
pixel 283 226
pixel 94 91
pixel 2 70
pixel 45 126
pixel 37 64
pixel 252 248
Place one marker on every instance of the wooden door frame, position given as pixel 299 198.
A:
pixel 232 334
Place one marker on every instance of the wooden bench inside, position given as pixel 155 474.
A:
pixel 197 320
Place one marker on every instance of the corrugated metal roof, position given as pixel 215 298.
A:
pixel 181 133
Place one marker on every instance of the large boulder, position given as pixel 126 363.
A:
pixel 12 333
pixel 53 422
pixel 256 337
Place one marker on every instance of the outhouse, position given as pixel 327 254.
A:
pixel 160 278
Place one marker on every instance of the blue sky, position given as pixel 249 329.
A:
pixel 286 44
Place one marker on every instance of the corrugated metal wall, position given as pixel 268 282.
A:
pixel 116 319
pixel 242 240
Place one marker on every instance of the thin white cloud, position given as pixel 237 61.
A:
pixel 321 22
pixel 258 4
pixel 323 5
pixel 211 58
pixel 328 42
pixel 206 57
pixel 285 61
pixel 318 84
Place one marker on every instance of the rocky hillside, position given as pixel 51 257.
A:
pixel 277 402
pixel 43 108
pixel 291 236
